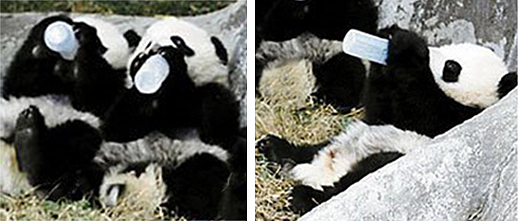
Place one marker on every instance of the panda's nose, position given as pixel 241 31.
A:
pixel 451 71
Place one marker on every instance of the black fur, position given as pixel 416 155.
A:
pixel 306 198
pixel 39 73
pixel 96 84
pixel 90 82
pixel 196 186
pixel 506 84
pixel 58 161
pixel 339 82
pixel 404 93
pixel 281 151
pixel 279 20
pixel 174 105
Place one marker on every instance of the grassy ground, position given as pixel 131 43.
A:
pixel 145 8
pixel 288 112
pixel 29 207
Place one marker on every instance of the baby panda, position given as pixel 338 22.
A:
pixel 206 56
pixel 180 78
pixel 81 59
pixel 185 177
pixel 317 26
pixel 51 155
pixel 421 92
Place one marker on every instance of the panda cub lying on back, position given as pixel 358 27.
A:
pixel 420 93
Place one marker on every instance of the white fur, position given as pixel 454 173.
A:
pixel 478 81
pixel 345 150
pixel 118 51
pixel 204 66
pixel 55 109
pixel 146 191
pixel 156 148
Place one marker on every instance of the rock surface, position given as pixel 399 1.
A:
pixel 228 24
pixel 468 173
pixel 489 23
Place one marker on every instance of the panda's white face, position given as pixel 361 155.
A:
pixel 467 73
pixel 202 60
pixel 118 50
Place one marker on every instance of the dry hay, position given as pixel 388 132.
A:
pixel 285 109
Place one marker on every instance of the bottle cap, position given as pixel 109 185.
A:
pixel 152 74
pixel 366 46
pixel 59 37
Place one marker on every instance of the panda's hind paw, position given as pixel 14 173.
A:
pixel 29 118
pixel 274 148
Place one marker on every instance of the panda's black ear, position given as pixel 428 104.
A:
pixel 132 37
pixel 221 51
pixel 182 46
pixel 507 83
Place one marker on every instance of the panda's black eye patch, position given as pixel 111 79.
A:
pixel 451 71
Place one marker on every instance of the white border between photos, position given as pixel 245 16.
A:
pixel 250 85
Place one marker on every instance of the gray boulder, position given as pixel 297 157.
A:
pixel 488 23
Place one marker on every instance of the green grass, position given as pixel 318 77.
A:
pixel 144 8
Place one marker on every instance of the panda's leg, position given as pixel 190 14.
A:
pixel 68 161
pixel 281 151
pixel 195 187
pixel 57 160
pixel 30 126
pixel 305 198
pixel 323 164
pixel 219 115
pixel 339 81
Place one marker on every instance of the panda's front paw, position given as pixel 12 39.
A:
pixel 406 47
pixel 274 148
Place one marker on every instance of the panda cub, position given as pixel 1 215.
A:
pixel 87 66
pixel 176 101
pixel 421 92
pixel 180 78
pixel 206 55
pixel 300 40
